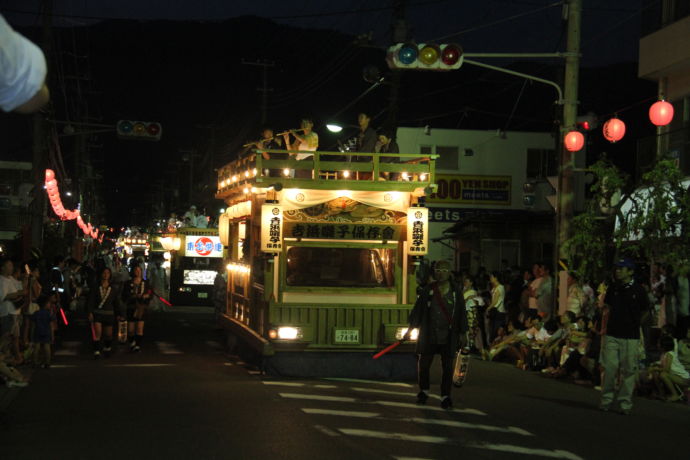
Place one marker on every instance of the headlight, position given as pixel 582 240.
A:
pixel 401 331
pixel 285 333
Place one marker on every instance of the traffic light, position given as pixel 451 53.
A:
pixel 143 130
pixel 587 122
pixel 528 190
pixel 425 56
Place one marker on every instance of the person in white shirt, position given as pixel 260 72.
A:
pixel 23 72
pixel 670 372
pixel 496 313
pixel 201 221
pixel 11 295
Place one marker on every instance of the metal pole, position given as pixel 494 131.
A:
pixel 519 74
pixel 566 197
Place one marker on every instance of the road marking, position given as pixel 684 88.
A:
pixel 396 436
pixel 228 364
pixel 317 397
pixel 167 348
pixel 412 458
pixel 250 372
pixel 342 413
pixel 395 384
pixel 240 363
pixel 62 366
pixel 397 393
pixel 139 365
pixel 283 384
pixel 419 406
pixel 326 430
pixel 527 451
pixel 471 426
pixel 442 440
pixel 329 387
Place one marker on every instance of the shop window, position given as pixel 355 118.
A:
pixel 541 163
pixel 499 254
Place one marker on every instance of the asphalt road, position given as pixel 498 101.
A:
pixel 183 397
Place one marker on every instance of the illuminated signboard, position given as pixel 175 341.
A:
pixel 417 231
pixel 472 190
pixel 271 228
pixel 203 246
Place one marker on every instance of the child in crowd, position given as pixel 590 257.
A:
pixel 669 373
pixel 43 321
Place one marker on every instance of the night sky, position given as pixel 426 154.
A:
pixel 180 63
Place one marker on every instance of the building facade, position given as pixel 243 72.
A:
pixel 490 208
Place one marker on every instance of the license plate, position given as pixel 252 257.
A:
pixel 347 336
pixel 202 295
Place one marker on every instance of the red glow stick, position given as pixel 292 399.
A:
pixel 165 301
pixel 93 331
pixel 387 349
pixel 64 318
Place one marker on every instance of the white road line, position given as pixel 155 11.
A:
pixel 240 363
pixel 316 397
pixel 395 384
pixel 342 413
pixel 527 451
pixel 228 364
pixel 326 430
pixel 139 365
pixel 417 420
pixel 397 393
pixel 254 372
pixel 283 384
pixel 330 387
pixel 412 458
pixel 62 366
pixel 418 406
pixel 471 426
pixel 396 436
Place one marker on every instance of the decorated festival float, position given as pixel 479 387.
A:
pixel 321 266
pixel 193 256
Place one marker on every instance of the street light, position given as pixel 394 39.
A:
pixel 334 128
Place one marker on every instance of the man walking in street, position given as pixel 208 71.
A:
pixel 626 302
pixel 440 315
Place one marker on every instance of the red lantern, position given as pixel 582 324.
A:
pixel 661 113
pixel 574 141
pixel 50 175
pixel 614 130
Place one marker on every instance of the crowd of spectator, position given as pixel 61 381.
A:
pixel 515 318
pixel 38 300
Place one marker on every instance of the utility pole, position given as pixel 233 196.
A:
pixel 264 89
pixel 39 146
pixel 566 197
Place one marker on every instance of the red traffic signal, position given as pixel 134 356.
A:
pixel 143 130
pixel 425 56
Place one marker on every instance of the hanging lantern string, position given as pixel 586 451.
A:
pixel 628 107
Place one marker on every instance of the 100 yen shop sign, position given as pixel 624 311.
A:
pixel 472 189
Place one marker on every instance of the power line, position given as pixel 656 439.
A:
pixel 297 16
pixel 496 22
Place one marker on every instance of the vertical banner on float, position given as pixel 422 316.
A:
pixel 271 228
pixel 417 231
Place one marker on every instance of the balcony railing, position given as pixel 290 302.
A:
pixel 328 170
